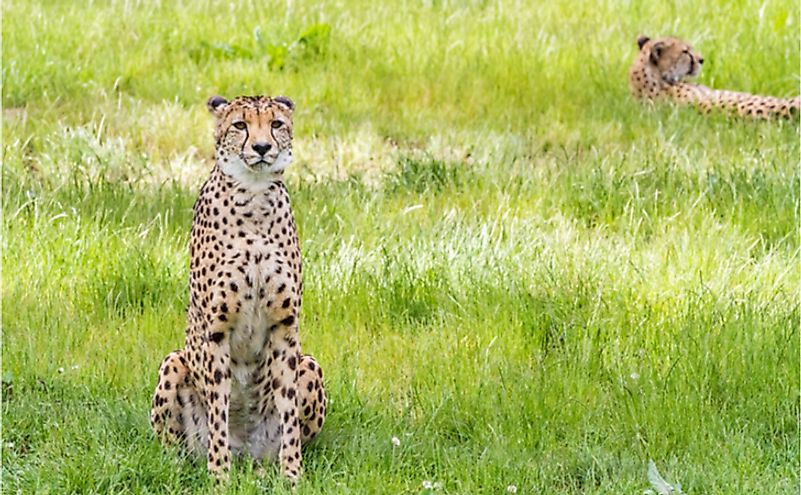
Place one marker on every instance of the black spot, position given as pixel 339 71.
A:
pixel 217 337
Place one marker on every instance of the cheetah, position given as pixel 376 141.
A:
pixel 241 386
pixel 659 72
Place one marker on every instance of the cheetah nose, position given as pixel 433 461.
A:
pixel 262 148
pixel 701 60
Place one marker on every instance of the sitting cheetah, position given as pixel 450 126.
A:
pixel 241 384
pixel 659 71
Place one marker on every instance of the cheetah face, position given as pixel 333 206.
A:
pixel 253 135
pixel 673 59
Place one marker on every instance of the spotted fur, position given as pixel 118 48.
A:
pixel 241 384
pixel 660 71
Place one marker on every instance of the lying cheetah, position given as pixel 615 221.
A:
pixel 241 384
pixel 659 73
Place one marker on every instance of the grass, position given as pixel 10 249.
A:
pixel 519 272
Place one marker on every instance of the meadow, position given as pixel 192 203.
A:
pixel 522 275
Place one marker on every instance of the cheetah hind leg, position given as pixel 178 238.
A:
pixel 178 415
pixel 312 400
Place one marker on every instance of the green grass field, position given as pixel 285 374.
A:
pixel 511 266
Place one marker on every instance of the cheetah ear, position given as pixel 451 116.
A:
pixel 283 100
pixel 216 105
pixel 642 40
pixel 656 51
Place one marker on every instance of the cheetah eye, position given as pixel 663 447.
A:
pixel 240 125
pixel 276 124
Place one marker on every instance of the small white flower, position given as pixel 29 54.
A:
pixel 74 367
pixel 396 441
pixel 437 485
pixel 10 445
pixel 427 485
pixel 61 370
pixel 511 489
pixel 635 376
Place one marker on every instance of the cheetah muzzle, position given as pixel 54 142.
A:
pixel 241 384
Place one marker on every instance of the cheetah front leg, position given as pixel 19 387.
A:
pixel 217 380
pixel 283 371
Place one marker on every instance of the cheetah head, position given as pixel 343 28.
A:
pixel 671 58
pixel 253 135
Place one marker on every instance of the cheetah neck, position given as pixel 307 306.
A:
pixel 645 81
pixel 266 189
